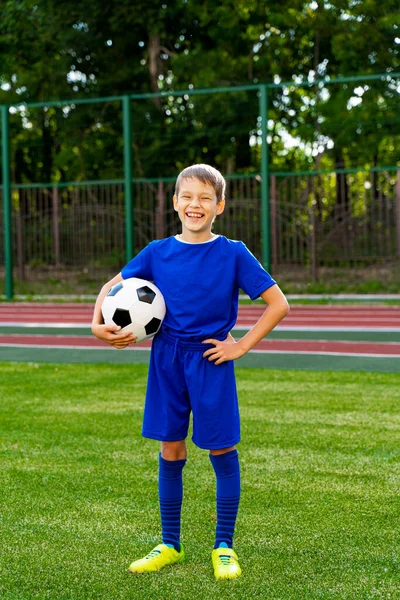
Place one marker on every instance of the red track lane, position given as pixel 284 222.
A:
pixel 304 316
pixel 287 346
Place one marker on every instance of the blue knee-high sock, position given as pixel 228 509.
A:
pixel 227 470
pixel 170 490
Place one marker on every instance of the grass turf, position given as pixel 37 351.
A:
pixel 319 515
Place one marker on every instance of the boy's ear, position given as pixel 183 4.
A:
pixel 175 199
pixel 221 206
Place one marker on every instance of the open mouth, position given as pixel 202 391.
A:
pixel 194 216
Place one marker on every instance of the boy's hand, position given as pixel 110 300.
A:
pixel 229 349
pixel 109 334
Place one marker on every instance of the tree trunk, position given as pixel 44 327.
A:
pixel 47 152
pixel 342 187
pixel 155 66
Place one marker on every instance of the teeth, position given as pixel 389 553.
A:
pixel 196 215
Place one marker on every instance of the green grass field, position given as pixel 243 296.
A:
pixel 320 510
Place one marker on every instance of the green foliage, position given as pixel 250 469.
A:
pixel 89 49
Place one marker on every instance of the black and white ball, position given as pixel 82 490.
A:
pixel 135 305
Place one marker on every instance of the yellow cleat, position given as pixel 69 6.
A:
pixel 225 563
pixel 159 557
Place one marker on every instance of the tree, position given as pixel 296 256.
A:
pixel 54 50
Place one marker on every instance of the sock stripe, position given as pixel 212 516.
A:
pixel 227 470
pixel 170 490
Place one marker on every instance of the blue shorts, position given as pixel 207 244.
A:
pixel 181 381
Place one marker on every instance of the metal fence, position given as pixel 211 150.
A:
pixel 80 230
pixel 293 220
pixel 310 228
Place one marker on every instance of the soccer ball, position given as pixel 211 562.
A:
pixel 135 305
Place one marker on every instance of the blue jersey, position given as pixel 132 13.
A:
pixel 200 283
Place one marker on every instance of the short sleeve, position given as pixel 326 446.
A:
pixel 139 266
pixel 252 278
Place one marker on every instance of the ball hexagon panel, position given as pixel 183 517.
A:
pixel 141 312
pixel 108 309
pixel 158 307
pixel 137 330
pixel 123 299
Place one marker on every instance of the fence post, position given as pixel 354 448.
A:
pixel 314 262
pixel 160 211
pixel 273 221
pixel 265 218
pixel 56 226
pixel 20 253
pixel 5 167
pixel 127 132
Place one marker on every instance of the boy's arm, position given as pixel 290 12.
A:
pixel 108 333
pixel 276 310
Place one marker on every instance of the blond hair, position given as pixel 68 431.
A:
pixel 205 174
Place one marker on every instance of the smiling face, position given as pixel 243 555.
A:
pixel 197 207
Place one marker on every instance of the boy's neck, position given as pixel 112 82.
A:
pixel 192 237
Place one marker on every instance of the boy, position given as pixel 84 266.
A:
pixel 191 363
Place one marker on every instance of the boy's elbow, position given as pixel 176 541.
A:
pixel 282 305
pixel 275 298
pixel 285 308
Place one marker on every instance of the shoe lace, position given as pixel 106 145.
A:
pixel 153 554
pixel 226 560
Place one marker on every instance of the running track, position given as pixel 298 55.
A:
pixel 311 336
